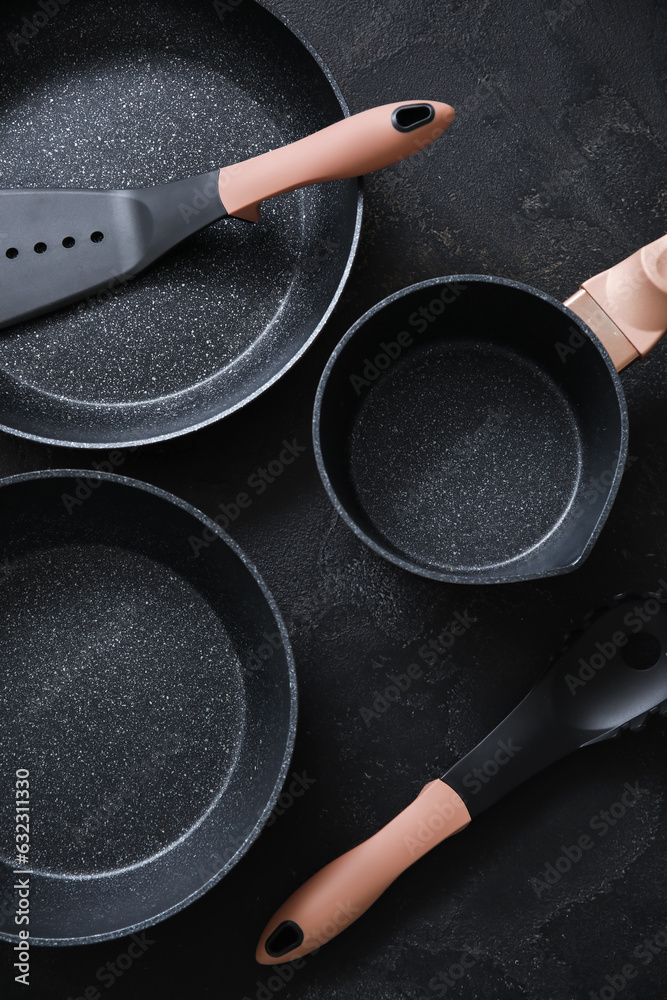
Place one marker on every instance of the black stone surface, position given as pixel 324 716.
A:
pixel 554 169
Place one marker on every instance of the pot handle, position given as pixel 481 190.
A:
pixel 338 894
pixel 626 305
pixel 357 145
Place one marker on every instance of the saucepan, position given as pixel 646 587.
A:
pixel 472 429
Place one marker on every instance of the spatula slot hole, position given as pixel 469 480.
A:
pixel 69 242
pixel 97 237
pixel 40 247
pixel 12 253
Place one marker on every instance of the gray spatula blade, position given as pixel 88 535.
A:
pixel 60 246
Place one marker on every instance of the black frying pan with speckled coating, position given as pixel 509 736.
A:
pixel 148 704
pixel 131 93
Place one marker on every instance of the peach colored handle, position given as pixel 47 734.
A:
pixel 338 894
pixel 626 305
pixel 358 145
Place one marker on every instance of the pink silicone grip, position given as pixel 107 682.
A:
pixel 338 894
pixel 358 145
pixel 633 294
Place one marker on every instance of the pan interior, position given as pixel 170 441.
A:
pixel 465 453
pixel 131 94
pixel 147 689
pixel 123 698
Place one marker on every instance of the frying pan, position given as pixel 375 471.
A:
pixel 148 689
pixel 118 94
pixel 473 429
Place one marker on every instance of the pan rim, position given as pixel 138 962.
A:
pixel 206 522
pixel 267 5
pixel 492 574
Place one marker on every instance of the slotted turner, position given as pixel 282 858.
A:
pixel 62 245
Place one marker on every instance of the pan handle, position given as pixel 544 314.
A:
pixel 338 894
pixel 358 145
pixel 626 305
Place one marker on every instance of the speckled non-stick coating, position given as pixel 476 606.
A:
pixel 127 94
pixel 451 452
pixel 462 437
pixel 148 688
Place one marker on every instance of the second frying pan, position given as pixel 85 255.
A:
pixel 474 430
pixel 149 704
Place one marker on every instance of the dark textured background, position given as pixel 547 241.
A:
pixel 553 170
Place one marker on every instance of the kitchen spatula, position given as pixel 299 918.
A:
pixel 62 245
pixel 611 678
